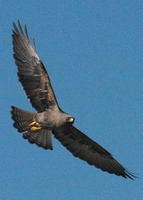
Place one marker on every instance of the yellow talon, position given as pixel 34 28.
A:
pixel 33 123
pixel 34 126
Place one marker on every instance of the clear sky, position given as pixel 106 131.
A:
pixel 93 52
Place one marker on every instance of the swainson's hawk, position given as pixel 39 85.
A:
pixel 50 119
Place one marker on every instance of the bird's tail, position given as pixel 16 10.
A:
pixel 23 121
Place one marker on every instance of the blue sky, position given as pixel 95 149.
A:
pixel 93 52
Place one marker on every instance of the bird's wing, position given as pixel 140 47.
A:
pixel 86 149
pixel 31 72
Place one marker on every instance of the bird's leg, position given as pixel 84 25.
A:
pixel 34 126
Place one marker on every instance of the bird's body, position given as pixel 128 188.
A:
pixel 50 119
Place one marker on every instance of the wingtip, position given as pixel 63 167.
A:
pixel 130 175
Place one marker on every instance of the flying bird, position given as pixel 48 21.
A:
pixel 49 119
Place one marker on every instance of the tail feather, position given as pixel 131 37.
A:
pixel 22 119
pixel 42 138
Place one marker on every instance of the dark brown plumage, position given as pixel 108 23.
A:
pixel 50 119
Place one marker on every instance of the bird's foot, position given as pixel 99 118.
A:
pixel 34 126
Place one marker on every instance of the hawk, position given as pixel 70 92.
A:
pixel 49 119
